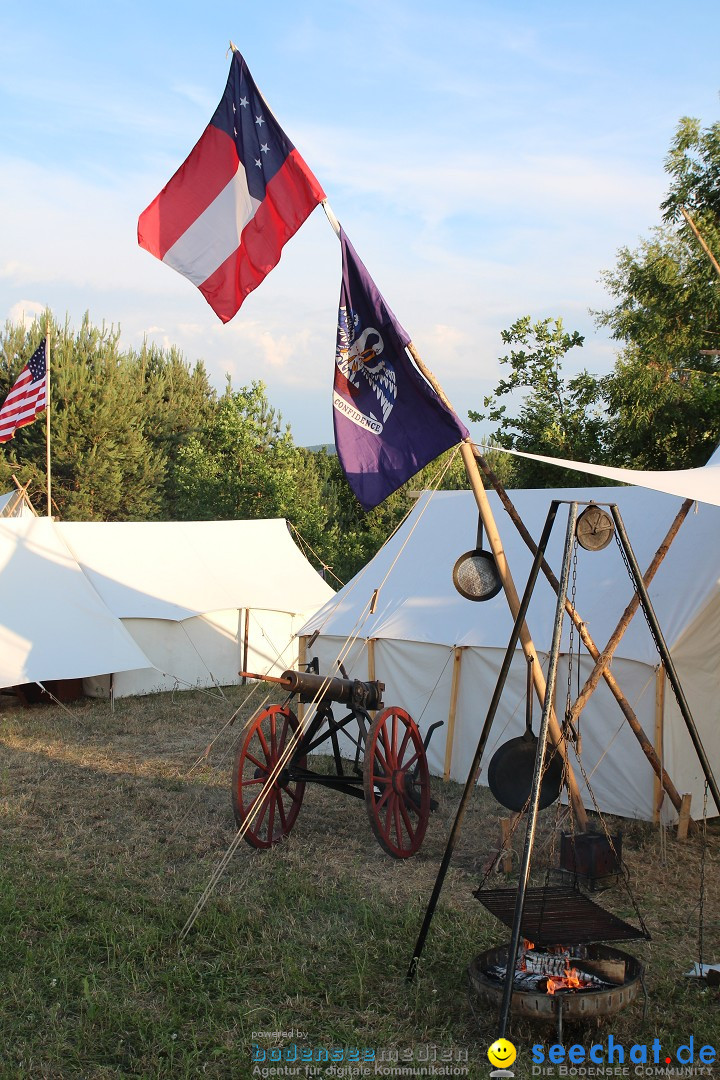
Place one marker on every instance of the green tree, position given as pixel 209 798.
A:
pixel 178 402
pixel 556 416
pixel 244 464
pixel 663 396
pixel 116 419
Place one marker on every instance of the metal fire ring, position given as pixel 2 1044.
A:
pixel 537 1005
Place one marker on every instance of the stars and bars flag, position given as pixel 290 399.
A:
pixel 28 396
pixel 244 191
pixel 389 422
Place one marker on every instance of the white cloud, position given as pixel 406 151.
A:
pixel 24 312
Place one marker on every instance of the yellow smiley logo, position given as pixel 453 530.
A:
pixel 502 1053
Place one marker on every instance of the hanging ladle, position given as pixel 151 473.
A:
pixel 511 768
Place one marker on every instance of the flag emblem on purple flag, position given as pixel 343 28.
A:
pixel 389 422
pixel 243 192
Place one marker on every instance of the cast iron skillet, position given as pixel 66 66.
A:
pixel 511 767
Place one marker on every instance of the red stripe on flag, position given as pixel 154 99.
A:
pixel 292 194
pixel 212 163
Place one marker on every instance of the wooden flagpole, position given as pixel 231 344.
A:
pixel 486 514
pixel 526 642
pixel 47 421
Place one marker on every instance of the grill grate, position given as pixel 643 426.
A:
pixel 558 915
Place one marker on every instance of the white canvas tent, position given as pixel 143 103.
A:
pixel 202 599
pixel 16 504
pixel 430 646
pixel 53 625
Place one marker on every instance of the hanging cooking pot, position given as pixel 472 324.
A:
pixel 475 574
pixel 512 766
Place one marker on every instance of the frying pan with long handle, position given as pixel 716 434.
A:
pixel 511 768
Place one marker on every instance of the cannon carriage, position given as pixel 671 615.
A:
pixel 388 770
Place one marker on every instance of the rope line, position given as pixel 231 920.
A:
pixel 260 801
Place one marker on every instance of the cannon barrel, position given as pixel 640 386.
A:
pixel 352 692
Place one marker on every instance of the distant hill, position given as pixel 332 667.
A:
pixel 328 447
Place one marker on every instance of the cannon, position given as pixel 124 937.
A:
pixel 389 769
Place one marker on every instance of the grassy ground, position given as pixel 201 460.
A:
pixel 109 838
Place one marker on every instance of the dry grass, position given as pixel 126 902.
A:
pixel 109 837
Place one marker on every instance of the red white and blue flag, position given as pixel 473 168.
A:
pixel 28 396
pixel 223 218
pixel 389 422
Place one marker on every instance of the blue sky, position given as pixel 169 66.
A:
pixel 486 160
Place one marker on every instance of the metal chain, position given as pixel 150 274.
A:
pixel 571 643
pixel 635 590
pixel 621 862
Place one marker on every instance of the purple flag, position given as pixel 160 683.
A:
pixel 389 422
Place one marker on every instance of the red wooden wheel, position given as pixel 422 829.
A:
pixel 397 783
pixel 261 751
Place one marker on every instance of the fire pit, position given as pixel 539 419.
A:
pixel 540 995
pixel 563 969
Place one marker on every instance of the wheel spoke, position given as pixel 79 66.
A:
pixel 281 810
pixel 263 743
pixel 403 745
pixel 388 749
pixel 378 754
pixel 398 829
pixel 388 816
pixel 397 792
pixel 272 812
pixel 406 819
pixel 260 764
pixel 384 797
pixel 411 761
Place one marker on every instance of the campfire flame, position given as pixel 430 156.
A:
pixel 569 981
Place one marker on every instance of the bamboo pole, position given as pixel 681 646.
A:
pixel 47 422
pixel 371 667
pixel 246 643
pixel 452 710
pixel 526 642
pixel 589 644
pixel 302 664
pixel 617 634
pixel 704 246
pixel 659 737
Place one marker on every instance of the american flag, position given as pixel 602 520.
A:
pixel 28 396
